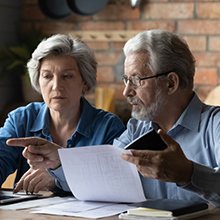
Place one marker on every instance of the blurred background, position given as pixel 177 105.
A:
pixel 105 25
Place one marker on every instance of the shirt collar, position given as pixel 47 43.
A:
pixel 84 125
pixel 190 118
pixel 86 120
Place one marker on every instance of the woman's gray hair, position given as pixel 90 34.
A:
pixel 167 52
pixel 60 44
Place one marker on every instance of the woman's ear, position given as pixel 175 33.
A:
pixel 84 89
pixel 172 82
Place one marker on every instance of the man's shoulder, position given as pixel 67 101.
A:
pixel 211 110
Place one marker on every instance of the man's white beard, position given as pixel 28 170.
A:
pixel 149 113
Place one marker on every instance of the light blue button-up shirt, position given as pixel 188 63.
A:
pixel 198 133
pixel 94 127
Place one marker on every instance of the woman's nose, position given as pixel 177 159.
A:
pixel 57 84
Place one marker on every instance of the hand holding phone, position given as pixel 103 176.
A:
pixel 148 141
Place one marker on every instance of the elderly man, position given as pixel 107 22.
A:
pixel 158 76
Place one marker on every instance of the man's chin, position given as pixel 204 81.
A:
pixel 139 116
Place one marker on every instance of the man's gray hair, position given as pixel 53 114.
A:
pixel 167 52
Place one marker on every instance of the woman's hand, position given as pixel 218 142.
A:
pixel 34 181
pixel 39 152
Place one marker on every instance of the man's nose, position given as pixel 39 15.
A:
pixel 128 90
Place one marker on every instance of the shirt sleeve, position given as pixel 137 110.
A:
pixel 11 157
pixel 205 182
pixel 60 180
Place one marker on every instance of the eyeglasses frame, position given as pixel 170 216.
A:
pixel 147 77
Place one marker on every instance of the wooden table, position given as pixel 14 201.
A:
pixel 25 215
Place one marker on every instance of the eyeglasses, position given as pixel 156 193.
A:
pixel 135 81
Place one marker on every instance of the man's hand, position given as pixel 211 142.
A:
pixel 169 165
pixel 39 152
pixel 34 181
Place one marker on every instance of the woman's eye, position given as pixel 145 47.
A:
pixel 68 76
pixel 47 76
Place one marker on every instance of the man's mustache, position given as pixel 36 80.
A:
pixel 133 100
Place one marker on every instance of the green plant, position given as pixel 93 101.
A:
pixel 13 58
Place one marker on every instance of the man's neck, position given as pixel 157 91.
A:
pixel 173 110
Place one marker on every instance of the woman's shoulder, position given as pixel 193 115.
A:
pixel 33 107
pixel 94 112
pixel 25 116
pixel 92 115
pixel 103 115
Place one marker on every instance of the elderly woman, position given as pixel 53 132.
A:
pixel 62 69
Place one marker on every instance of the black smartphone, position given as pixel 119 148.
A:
pixel 148 141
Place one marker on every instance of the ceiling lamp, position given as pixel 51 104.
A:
pixel 135 3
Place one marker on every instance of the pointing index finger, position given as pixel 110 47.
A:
pixel 24 142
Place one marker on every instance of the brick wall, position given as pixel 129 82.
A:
pixel 198 21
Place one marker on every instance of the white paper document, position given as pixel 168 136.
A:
pixel 97 173
pixel 78 208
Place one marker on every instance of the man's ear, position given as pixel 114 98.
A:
pixel 172 82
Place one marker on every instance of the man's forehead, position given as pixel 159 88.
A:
pixel 138 57
pixel 137 60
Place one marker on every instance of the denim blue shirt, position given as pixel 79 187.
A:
pixel 198 133
pixel 94 127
